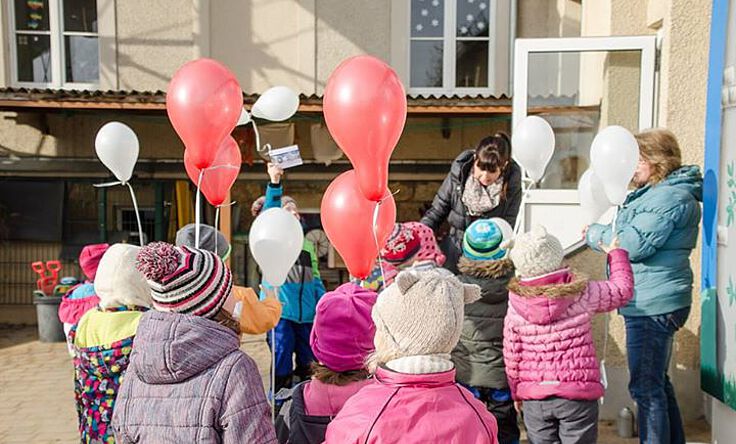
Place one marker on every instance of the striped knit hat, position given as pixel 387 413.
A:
pixel 185 280
pixel 482 241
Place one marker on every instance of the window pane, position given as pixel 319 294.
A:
pixel 426 63
pixel 472 64
pixel 34 58
pixel 32 15
pixel 82 59
pixel 80 15
pixel 472 18
pixel 427 18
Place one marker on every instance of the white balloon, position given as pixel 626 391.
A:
pixel 533 144
pixel 507 231
pixel 276 104
pixel 117 147
pixel 614 155
pixel 244 118
pixel 276 240
pixel 593 198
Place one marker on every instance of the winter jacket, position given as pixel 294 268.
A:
pixel 256 317
pixel 102 343
pixel 407 408
pixel 72 309
pixel 189 382
pixel 309 408
pixel 658 225
pixel 478 356
pixel 303 287
pixel 448 205
pixel 548 341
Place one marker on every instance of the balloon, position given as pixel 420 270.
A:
pixel 365 110
pixel 347 217
pixel 507 231
pixel 203 102
pixel 593 198
pixel 117 147
pixel 276 104
pixel 276 241
pixel 221 175
pixel 533 144
pixel 614 155
pixel 244 118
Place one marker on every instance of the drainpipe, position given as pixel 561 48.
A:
pixel 512 38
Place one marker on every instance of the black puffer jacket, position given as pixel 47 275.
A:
pixel 448 205
pixel 478 356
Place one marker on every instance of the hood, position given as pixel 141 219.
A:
pixel 688 178
pixel 173 347
pixel 491 269
pixel 118 282
pixel 545 304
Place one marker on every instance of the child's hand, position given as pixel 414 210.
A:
pixel 275 172
pixel 518 406
pixel 610 247
pixel 269 292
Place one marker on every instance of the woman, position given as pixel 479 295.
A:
pixel 483 183
pixel 658 226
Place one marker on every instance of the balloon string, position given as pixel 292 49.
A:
pixel 217 226
pixel 137 214
pixel 273 368
pixel 375 239
pixel 197 207
pixel 522 206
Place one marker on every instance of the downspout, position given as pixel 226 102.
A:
pixel 512 39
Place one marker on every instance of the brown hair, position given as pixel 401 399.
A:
pixel 660 149
pixel 323 374
pixel 494 154
pixel 224 318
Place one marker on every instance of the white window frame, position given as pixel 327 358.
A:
pixel 499 13
pixel 58 56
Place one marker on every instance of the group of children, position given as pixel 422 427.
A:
pixel 415 354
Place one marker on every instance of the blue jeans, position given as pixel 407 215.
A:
pixel 649 348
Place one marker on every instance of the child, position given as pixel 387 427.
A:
pixel 82 297
pixel 479 354
pixel 188 380
pixel 299 295
pixel 548 344
pixel 342 338
pixel 103 340
pixel 414 397
pixel 256 317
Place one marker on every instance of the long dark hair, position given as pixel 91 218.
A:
pixel 494 154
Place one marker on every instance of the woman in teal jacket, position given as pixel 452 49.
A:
pixel 658 226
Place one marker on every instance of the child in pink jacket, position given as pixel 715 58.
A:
pixel 548 346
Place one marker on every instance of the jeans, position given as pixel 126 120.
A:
pixel 649 347
pixel 499 403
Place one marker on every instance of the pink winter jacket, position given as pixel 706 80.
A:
pixel 404 408
pixel 547 340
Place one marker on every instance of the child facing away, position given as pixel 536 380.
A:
pixel 341 339
pixel 414 397
pixel 478 356
pixel 256 317
pixel 548 346
pixel 188 381
pixel 103 340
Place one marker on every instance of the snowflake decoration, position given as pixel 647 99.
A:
pixel 424 13
pixel 469 17
pixel 435 22
pixel 419 27
pixel 464 29
pixel 435 2
pixel 482 6
pixel 481 26
pixel 471 1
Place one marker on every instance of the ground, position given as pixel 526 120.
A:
pixel 36 392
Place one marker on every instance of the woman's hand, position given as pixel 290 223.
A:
pixel 275 172
pixel 610 247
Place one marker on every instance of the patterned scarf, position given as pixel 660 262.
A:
pixel 479 199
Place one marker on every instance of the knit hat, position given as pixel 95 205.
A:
pixel 185 280
pixel 421 313
pixel 187 236
pixel 342 335
pixel 483 241
pixel 89 259
pixel 536 253
pixel 402 250
pixel 117 282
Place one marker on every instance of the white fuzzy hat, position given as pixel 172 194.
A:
pixel 118 282
pixel 536 253
pixel 421 313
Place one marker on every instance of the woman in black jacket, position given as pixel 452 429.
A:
pixel 482 183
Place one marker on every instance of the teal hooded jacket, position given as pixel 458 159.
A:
pixel 658 226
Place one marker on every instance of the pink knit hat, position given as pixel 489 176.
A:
pixel 428 249
pixel 89 259
pixel 342 335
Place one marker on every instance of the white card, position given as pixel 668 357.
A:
pixel 286 157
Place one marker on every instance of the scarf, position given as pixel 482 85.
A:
pixel 479 199
pixel 422 364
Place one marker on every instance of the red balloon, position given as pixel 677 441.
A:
pixel 347 217
pixel 221 175
pixel 365 110
pixel 204 101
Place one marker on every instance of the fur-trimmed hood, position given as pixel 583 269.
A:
pixel 491 269
pixel 545 304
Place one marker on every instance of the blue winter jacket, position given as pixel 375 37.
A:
pixel 658 226
pixel 303 287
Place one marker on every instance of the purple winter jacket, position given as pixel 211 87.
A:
pixel 188 381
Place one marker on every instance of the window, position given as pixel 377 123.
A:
pixel 458 46
pixel 54 43
pixel 128 223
